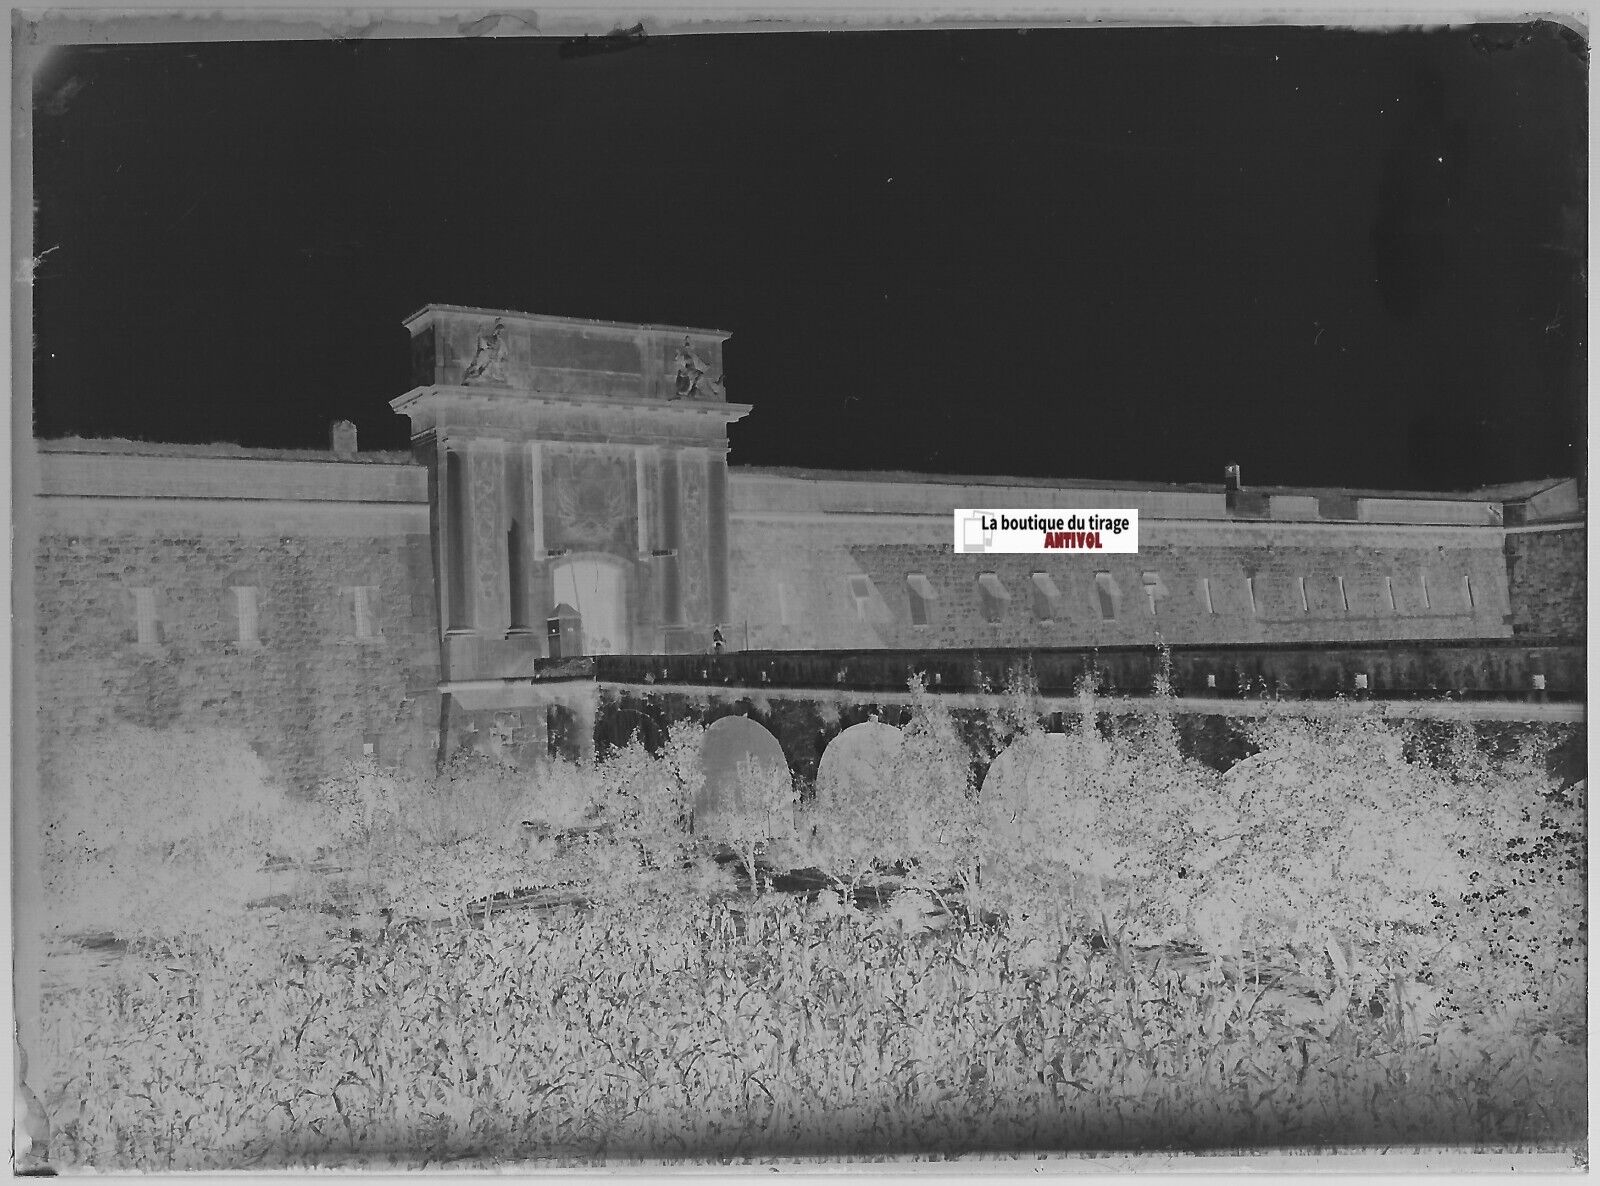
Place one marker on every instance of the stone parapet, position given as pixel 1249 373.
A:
pixel 821 492
pixel 232 479
pixel 599 360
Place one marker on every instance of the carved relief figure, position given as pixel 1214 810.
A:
pixel 488 363
pixel 691 381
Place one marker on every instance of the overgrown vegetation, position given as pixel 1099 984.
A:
pixel 1347 938
pixel 138 821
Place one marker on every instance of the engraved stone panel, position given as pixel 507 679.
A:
pixel 590 499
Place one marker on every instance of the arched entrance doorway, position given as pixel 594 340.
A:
pixel 598 589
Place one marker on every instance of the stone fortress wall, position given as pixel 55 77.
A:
pixel 291 596
pixel 851 560
pixel 287 598
pixel 1546 568
pixel 333 604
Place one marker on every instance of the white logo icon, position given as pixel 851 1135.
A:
pixel 974 537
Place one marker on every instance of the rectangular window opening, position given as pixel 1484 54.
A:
pixel 363 619
pixel 1046 597
pixel 147 629
pixel 1153 589
pixel 918 607
pixel 1106 595
pixel 246 613
pixel 919 593
pixel 994 596
pixel 861 594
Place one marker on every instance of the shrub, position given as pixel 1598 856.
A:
pixel 763 809
pixel 368 804
pixel 1340 839
pixel 920 818
pixel 477 798
pixel 427 846
pixel 651 798
pixel 558 796
pixel 163 834
pixel 363 803
pixel 1328 848
pixel 937 830
pixel 1099 830
pixel 1512 947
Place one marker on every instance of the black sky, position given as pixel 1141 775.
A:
pixel 1334 257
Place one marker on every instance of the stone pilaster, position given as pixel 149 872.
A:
pixel 453 548
pixel 646 601
pixel 643 465
pixel 487 526
pixel 717 535
pixel 670 566
pixel 533 467
pixel 694 572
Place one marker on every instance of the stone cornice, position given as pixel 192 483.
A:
pixel 524 401
pixel 471 413
pixel 824 492
pixel 420 320
pixel 1563 525
pixel 1351 532
pixel 253 518
pixel 234 479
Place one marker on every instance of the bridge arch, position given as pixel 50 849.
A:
pixel 859 762
pixel 727 743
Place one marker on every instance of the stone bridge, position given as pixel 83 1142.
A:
pixel 806 698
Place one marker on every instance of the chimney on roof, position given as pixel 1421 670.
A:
pixel 344 440
pixel 1230 479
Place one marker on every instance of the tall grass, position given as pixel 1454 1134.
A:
pixel 1333 943
pixel 744 1033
